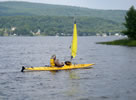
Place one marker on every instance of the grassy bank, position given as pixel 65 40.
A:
pixel 124 42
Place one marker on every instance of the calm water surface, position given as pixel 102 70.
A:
pixel 112 78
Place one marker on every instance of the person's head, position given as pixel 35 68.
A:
pixel 53 57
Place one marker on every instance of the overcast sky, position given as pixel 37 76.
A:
pixel 95 4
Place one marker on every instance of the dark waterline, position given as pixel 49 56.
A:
pixel 112 78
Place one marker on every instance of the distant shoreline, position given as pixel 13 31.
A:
pixel 122 42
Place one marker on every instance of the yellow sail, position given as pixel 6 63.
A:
pixel 74 42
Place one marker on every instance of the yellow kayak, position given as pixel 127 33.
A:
pixel 49 68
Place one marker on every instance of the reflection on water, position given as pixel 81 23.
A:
pixel 53 72
pixel 74 88
pixel 73 75
pixel 113 77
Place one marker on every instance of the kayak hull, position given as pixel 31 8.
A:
pixel 49 68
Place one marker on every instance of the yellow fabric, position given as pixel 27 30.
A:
pixel 74 42
pixel 52 63
pixel 65 67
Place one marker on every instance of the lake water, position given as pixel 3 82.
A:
pixel 112 78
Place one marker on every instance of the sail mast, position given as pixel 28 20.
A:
pixel 74 41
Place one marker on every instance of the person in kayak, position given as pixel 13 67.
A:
pixel 55 62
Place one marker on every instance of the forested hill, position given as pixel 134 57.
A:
pixel 38 9
pixel 25 18
pixel 26 25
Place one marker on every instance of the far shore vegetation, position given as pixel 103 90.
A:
pixel 34 19
pixel 123 42
pixel 130 25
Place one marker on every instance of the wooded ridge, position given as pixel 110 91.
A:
pixel 28 18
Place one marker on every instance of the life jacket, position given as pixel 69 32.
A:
pixel 52 63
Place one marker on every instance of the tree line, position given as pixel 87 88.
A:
pixel 52 25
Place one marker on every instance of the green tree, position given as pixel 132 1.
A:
pixel 130 23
